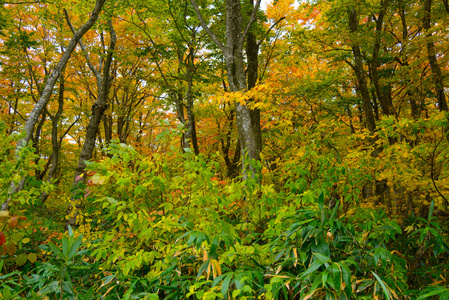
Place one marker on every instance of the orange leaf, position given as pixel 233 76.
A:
pixel 12 222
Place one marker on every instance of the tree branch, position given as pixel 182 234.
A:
pixel 207 29
pixel 269 30
pixel 251 21
pixel 86 55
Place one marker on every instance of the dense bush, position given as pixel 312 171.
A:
pixel 154 228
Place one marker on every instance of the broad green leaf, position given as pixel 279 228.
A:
pixel 322 258
pixel 56 250
pixel 75 246
pixel 225 284
pixel 21 259
pixel 313 267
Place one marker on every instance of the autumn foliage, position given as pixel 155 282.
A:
pixel 153 173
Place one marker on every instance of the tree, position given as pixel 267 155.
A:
pixel 232 50
pixel 432 57
pixel 103 79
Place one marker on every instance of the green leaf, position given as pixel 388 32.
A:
pixel 313 267
pixel 383 285
pixel 6 293
pixel 336 276
pixel 75 246
pixel 437 291
pixel 65 246
pixel 322 258
pixel 107 279
pixel 214 246
pixel 166 287
pixel 235 293
pixel 192 238
pixel 225 284
pixel 334 212
pixel 56 250
pixel 218 279
pixel 315 284
pixel 364 284
pixel 324 276
pixel 21 259
pixel 431 208
pixel 202 268
pixel 89 294
pixel 247 288
pixel 69 228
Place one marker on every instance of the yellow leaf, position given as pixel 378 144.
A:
pixel 26 240
pixel 204 255
pixel 4 214
pixel 216 267
pixel 32 257
pixel 295 254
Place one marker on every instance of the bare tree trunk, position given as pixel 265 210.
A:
pixel 431 55
pixel 98 108
pixel 252 55
pixel 54 136
pixel 383 92
pixel 360 74
pixel 191 126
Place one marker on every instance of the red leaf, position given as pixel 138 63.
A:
pixel 2 238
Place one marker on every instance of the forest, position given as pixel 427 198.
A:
pixel 224 149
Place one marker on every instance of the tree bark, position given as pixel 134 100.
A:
pixel 54 137
pixel 383 92
pixel 360 74
pixel 432 57
pixel 98 108
pixel 252 56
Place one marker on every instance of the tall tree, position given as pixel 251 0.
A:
pixel 362 84
pixel 103 79
pixel 232 50
pixel 432 57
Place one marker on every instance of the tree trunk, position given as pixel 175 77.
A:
pixel 233 54
pixel 360 74
pixel 383 92
pixel 191 127
pixel 252 56
pixel 98 108
pixel 432 57
pixel 54 136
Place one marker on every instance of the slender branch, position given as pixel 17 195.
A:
pixel 251 21
pixel 16 111
pixel 67 131
pixel 19 3
pixel 432 171
pixel 269 30
pixel 207 29
pixel 86 55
